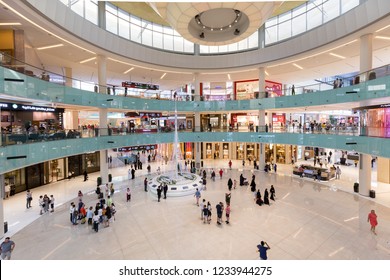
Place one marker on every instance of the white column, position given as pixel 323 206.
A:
pixel 102 73
pixel 197 87
pixel 68 76
pixel 261 155
pixel 364 174
pixel 365 54
pixel 103 153
pixel 261 82
pixel 2 184
pixel 71 119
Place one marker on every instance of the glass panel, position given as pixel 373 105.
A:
pixel 147 37
pixel 284 17
pixel 243 44
pixel 213 49
pixel 157 28
pixel 347 5
pixel 124 29
pixel 188 46
pixel 253 40
pixel 331 9
pixel 284 30
pixel 203 49
pixel 299 24
pixel 314 17
pixel 158 40
pixel 168 30
pixel 78 8
pixel 299 11
pixel 135 33
pixel 111 9
pixel 65 2
pixel 223 48
pixel 168 42
pixel 135 20
pixel 111 23
pixel 271 22
pixel 178 44
pixel 123 15
pixel 233 47
pixel 91 11
pixel 271 35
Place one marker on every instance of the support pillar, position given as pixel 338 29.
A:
pixel 68 76
pixel 103 153
pixel 364 174
pixel 2 184
pixel 262 82
pixel 261 153
pixel 102 73
pixel 197 87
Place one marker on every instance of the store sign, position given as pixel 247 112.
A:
pixel 137 148
pixel 21 107
pixel 140 86
pixel 144 114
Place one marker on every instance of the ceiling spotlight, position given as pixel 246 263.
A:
pixel 201 35
pixel 236 32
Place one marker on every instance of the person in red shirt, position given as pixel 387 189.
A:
pixel 220 173
pixel 372 219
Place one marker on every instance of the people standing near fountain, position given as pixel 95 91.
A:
pixel 230 184
pixel 165 189
pixel 146 184
pixel 159 191
pixel 197 196
pixel 220 173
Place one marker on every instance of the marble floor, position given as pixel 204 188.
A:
pixel 308 221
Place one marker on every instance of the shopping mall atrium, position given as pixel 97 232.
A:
pixel 293 94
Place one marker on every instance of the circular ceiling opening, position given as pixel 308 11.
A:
pixel 218 25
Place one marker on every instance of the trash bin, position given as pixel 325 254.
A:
pixel 5 227
pixel 372 193
pixel 356 187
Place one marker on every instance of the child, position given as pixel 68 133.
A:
pixel 227 211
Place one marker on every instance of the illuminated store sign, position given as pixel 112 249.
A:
pixel 140 86
pixel 22 107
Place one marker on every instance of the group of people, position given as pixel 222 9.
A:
pixel 45 203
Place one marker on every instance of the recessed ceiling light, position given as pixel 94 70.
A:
pixel 265 72
pixel 229 76
pixel 50 47
pixel 128 70
pixel 9 23
pixel 298 66
pixel 337 55
pixel 383 28
pixel 382 37
pixel 163 75
pixel 89 59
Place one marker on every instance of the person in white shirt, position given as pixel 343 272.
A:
pixel 7 190
pixel 96 220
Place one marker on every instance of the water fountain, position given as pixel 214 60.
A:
pixel 180 183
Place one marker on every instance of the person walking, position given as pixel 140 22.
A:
pixel 7 246
pixel 201 206
pixel 262 248
pixel 159 191
pixel 165 190
pixel 230 184
pixel 204 212
pixel 129 174
pixel 220 173
pixel 85 175
pixel 146 184
pixel 128 195
pixel 228 196
pixel 259 201
pixel 219 208
pixel 230 164
pixel 338 172
pixel 209 212
pixel 373 220
pixel 132 174
pixel 52 203
pixel 266 199
pixel 28 199
pixel 227 212
pixel 7 190
pixel 197 196
pixel 204 182
pixel 96 221
pixel 272 192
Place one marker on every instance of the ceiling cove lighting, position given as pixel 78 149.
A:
pixel 86 60
pixel 40 27
pixel 9 23
pixel 383 28
pixel 162 76
pixel 382 37
pixel 265 72
pixel 337 55
pixel 128 70
pixel 296 65
pixel 50 47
